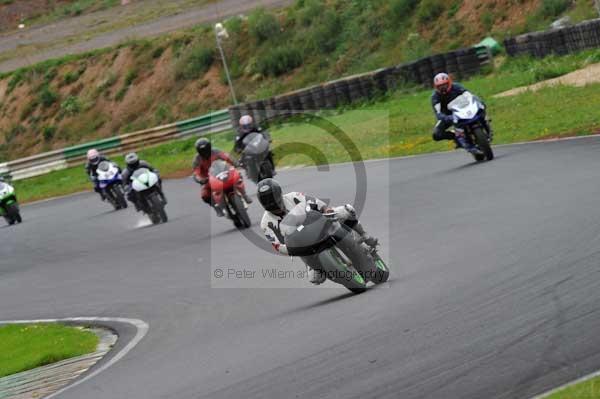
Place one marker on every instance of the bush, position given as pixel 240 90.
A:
pixel 15 80
pixel 70 77
pixel 48 132
pixel 553 8
pixel 131 75
pixel 310 12
pixel 324 36
pixel 29 108
pixel 263 25
pixel 416 47
pixel 279 60
pixel 195 64
pixel 400 10
pixel 429 10
pixel 47 97
pixel 71 106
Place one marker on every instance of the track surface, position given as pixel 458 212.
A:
pixel 69 35
pixel 495 291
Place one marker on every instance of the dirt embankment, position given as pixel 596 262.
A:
pixel 581 77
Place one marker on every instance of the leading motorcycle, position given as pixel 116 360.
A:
pixel 225 185
pixel 469 116
pixel 149 194
pixel 9 207
pixel 110 182
pixel 338 250
pixel 255 157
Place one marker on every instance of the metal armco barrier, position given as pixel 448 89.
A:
pixel 460 63
pixel 570 39
pixel 61 159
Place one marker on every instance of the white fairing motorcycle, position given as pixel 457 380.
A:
pixel 146 185
pixel 9 208
pixel 469 116
pixel 111 183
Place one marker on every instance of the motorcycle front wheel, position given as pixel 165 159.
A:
pixel 483 143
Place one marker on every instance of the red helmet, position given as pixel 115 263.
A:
pixel 442 83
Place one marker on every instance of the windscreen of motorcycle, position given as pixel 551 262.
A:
pixel 106 171
pixel 219 169
pixel 255 144
pixel 143 179
pixel 5 190
pixel 293 220
pixel 464 106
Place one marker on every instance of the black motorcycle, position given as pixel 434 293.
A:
pixel 256 157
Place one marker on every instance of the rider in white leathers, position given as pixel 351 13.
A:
pixel 277 205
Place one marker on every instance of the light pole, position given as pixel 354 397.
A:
pixel 221 33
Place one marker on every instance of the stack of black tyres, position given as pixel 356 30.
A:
pixel 438 64
pixel 355 89
pixel 342 91
pixel 468 62
pixel 573 39
pixel 452 68
pixel 380 79
pixel 282 106
pixel 318 96
pixel 260 112
pixel 367 84
pixel 270 108
pixel 331 100
pixel 425 71
pixel 410 73
pixel 556 41
pixel 306 100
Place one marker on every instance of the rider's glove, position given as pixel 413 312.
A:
pixel 199 180
pixel 455 119
pixel 448 119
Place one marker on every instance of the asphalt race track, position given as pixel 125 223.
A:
pixel 494 294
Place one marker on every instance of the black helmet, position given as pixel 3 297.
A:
pixel 270 196
pixel 132 160
pixel 203 147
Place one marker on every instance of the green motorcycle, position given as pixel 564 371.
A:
pixel 9 208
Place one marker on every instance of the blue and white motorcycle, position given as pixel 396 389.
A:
pixel 9 207
pixel 469 118
pixel 111 183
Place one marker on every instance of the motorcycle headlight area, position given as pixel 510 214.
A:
pixel 223 176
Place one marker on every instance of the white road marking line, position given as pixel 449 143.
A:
pixel 141 326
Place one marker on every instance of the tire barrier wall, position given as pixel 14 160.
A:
pixel 570 39
pixel 460 64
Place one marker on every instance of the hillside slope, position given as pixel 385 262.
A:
pixel 145 83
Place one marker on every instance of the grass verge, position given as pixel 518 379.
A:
pixel 397 125
pixel 589 389
pixel 27 346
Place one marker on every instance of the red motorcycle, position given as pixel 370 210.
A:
pixel 226 185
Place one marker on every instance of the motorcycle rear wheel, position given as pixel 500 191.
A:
pixel 12 214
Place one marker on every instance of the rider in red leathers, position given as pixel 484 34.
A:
pixel 204 159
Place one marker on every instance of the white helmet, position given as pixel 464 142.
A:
pixel 93 156
pixel 246 124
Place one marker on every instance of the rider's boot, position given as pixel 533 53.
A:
pixel 316 277
pixel 462 140
pixel 369 240
pixel 246 196
pixel 218 210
